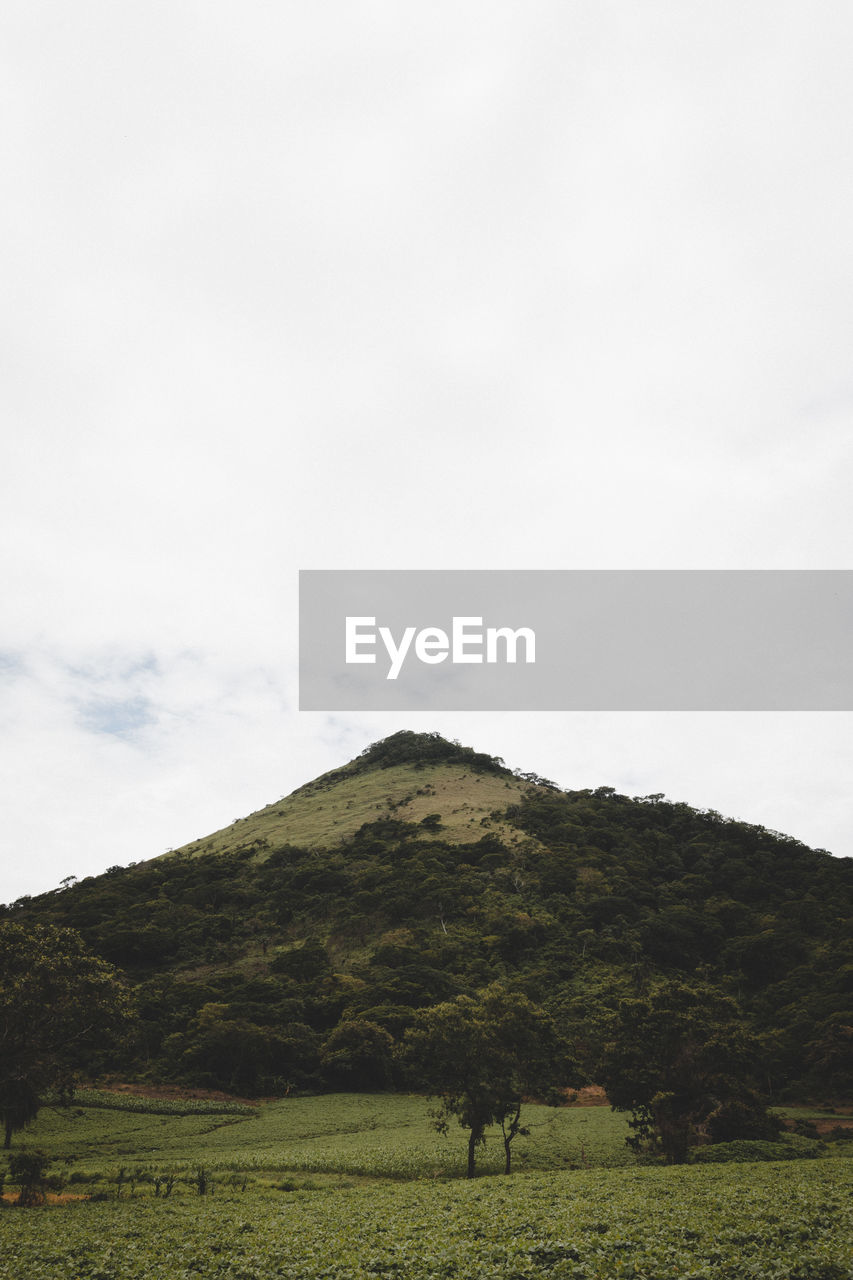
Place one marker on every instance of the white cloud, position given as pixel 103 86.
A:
pixel 490 286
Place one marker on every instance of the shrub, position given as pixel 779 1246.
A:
pixel 748 1149
pixel 28 1170
pixel 742 1120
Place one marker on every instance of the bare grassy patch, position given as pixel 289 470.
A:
pixel 321 816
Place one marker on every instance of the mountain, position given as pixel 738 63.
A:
pixel 290 949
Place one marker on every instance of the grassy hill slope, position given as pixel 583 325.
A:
pixel 331 809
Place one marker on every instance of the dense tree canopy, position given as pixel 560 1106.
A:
pixel 358 1055
pixel 59 1005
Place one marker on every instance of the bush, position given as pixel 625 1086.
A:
pixel 744 1120
pixel 28 1170
pixel 102 1099
pixel 751 1149
pixel 806 1128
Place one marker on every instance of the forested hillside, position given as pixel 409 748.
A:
pixel 269 967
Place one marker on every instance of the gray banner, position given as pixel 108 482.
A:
pixel 576 640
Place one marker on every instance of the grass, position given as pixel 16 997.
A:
pixel 360 1187
pixel 108 1100
pixel 359 1135
pixel 322 815
pixel 366 1135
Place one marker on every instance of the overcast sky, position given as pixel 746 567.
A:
pixel 372 285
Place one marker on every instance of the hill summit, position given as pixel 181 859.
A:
pixel 410 776
pixel 293 948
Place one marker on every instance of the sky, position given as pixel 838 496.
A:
pixel 565 284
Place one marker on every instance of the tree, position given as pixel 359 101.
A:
pixel 481 1056
pixel 223 1050
pixel 28 1170
pixel 59 1003
pixel 683 1062
pixel 358 1055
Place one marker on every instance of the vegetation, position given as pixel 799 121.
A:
pixel 279 968
pixel 106 1099
pixel 416 777
pixel 726 1222
pixel 424 749
pixel 482 1057
pixel 28 1171
pixel 59 1006
pixel 352 1186
pixel 682 1061
pixel 334 1136
pixel 339 1136
pixel 445 924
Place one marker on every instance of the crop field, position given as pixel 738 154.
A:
pixel 369 1135
pixel 786 1221
pixel 355 1187
pixel 107 1100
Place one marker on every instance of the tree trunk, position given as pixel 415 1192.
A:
pixel 472 1143
pixel 509 1134
pixel 7 1144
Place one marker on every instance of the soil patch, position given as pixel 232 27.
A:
pixel 591 1095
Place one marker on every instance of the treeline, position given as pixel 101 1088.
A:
pixel 419 749
pixel 301 969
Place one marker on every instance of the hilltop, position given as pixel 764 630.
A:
pixel 409 776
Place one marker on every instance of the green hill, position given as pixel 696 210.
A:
pixel 424 869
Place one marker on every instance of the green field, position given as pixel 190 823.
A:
pixel 354 1187
pixel 738 1222
pixel 367 1135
